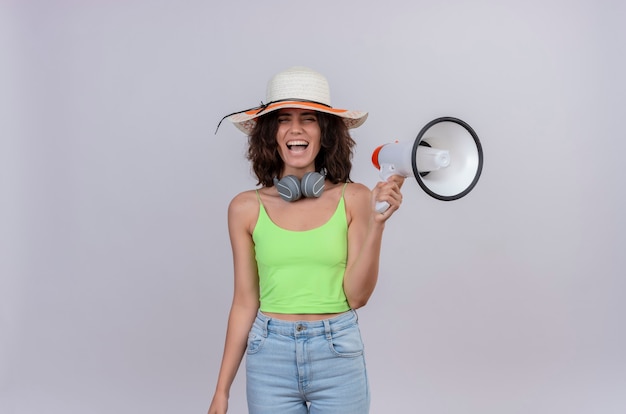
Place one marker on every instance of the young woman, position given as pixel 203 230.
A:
pixel 306 249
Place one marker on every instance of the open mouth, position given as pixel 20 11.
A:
pixel 297 145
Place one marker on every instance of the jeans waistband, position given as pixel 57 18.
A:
pixel 306 328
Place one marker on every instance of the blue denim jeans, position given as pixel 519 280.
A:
pixel 306 367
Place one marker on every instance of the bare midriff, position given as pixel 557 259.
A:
pixel 301 316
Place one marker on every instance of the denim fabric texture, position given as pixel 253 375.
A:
pixel 306 367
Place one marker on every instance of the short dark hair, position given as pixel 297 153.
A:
pixel 335 154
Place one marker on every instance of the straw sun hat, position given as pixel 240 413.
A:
pixel 296 87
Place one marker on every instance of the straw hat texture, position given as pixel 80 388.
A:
pixel 296 87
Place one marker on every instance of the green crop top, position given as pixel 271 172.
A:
pixel 302 271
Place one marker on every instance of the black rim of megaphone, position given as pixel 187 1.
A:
pixel 418 175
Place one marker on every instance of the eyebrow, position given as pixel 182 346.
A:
pixel 306 113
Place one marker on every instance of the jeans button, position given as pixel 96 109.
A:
pixel 300 328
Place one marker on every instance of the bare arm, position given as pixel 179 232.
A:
pixel 365 232
pixel 241 214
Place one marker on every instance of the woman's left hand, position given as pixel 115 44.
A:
pixel 388 191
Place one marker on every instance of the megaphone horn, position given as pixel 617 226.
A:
pixel 446 159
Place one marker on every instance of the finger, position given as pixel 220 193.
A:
pixel 389 198
pixel 397 179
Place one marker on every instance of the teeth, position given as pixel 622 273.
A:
pixel 297 143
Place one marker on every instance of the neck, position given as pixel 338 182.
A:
pixel 298 172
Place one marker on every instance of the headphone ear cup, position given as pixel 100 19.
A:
pixel 312 184
pixel 288 188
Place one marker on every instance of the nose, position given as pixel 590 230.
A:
pixel 296 126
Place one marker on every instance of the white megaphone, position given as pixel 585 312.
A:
pixel 446 159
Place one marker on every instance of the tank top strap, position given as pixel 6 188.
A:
pixel 258 197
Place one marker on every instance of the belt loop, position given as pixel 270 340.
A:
pixel 266 322
pixel 327 329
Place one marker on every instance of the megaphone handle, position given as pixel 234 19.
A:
pixel 381 206
pixel 386 171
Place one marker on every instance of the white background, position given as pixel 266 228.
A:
pixel 116 274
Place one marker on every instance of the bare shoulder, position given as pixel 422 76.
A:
pixel 357 193
pixel 358 200
pixel 244 208
pixel 244 200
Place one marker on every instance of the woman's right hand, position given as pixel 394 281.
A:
pixel 219 405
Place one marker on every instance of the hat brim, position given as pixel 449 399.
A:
pixel 245 121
